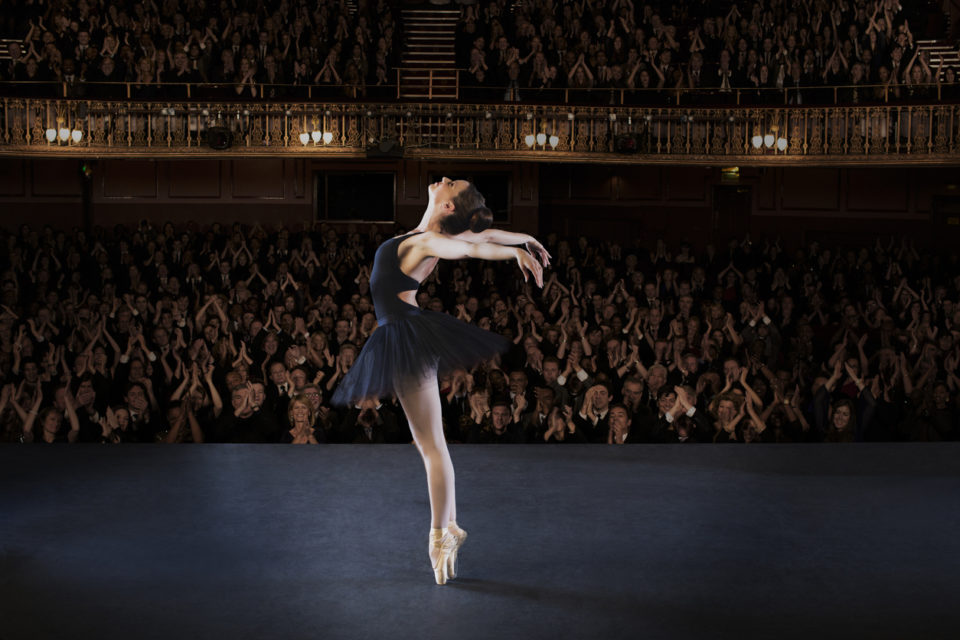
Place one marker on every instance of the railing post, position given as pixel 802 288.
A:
pixel 188 91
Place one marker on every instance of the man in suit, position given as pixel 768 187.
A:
pixel 591 419
pixel 683 422
pixel 621 429
pixel 245 422
pixel 501 429
pixel 535 423
pixel 455 401
pixel 367 423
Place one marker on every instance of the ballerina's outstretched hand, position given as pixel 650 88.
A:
pixel 530 267
pixel 540 252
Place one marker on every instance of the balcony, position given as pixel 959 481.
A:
pixel 686 131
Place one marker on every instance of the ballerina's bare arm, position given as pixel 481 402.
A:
pixel 431 244
pixel 499 236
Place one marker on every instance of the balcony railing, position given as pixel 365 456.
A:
pixel 918 133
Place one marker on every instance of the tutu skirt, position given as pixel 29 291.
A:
pixel 411 345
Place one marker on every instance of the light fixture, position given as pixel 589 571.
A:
pixel 541 139
pixel 305 138
pixel 327 137
pixel 316 135
pixel 772 140
pixel 76 135
pixel 51 135
pixel 64 134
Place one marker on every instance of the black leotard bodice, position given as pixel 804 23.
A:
pixel 387 280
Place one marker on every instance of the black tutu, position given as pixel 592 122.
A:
pixel 411 346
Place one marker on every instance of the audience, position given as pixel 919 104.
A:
pixel 653 52
pixel 234 42
pixel 165 334
pixel 600 51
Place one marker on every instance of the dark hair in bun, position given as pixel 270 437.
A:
pixel 470 212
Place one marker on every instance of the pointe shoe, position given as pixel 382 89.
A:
pixel 442 545
pixel 461 536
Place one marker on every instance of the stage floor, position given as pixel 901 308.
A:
pixel 284 542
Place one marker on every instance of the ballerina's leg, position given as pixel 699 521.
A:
pixel 421 402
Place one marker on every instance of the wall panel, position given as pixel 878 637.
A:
pixel 592 183
pixel 810 189
pixel 194 178
pixel 877 190
pixel 128 178
pixel 56 178
pixel 257 178
pixel 688 184
pixel 640 183
pixel 13 177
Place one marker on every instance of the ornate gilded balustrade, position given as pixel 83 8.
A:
pixel 890 133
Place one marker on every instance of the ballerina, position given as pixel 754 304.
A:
pixel 411 346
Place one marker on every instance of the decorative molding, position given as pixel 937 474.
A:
pixel 925 134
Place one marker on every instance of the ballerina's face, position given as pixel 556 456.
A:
pixel 445 190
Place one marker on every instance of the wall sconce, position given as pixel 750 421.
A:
pixel 316 136
pixel 770 140
pixel 540 140
pixel 62 134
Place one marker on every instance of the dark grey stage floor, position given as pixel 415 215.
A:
pixel 240 541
